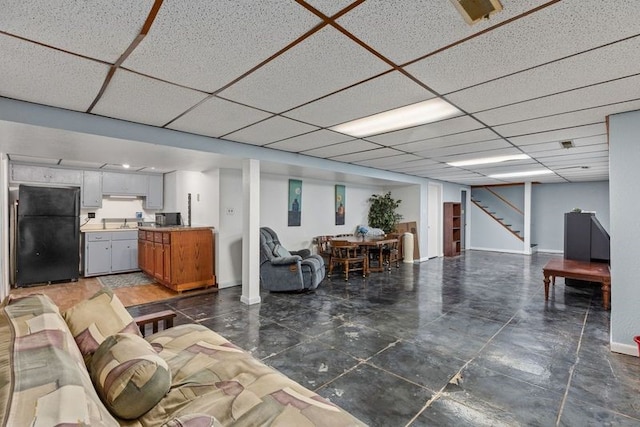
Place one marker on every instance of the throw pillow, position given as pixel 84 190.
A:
pixel 130 377
pixel 93 320
pixel 279 251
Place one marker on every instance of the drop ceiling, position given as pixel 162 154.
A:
pixel 278 74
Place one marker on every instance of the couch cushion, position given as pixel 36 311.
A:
pixel 93 320
pixel 129 375
pixel 281 252
pixel 41 369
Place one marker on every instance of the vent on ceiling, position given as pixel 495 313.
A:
pixel 475 10
pixel 567 144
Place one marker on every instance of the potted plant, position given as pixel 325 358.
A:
pixel 382 212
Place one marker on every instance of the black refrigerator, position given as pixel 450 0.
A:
pixel 48 235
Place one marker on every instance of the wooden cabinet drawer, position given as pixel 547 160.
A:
pixel 157 237
pixel 166 238
pixel 142 235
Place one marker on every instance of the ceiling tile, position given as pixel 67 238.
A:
pixel 593 96
pixel 309 141
pixel 140 99
pixel 578 142
pixel 205 44
pixel 403 30
pixel 445 141
pixel 560 135
pixel 554 32
pixel 573 152
pixel 430 130
pixel 270 130
pixel 329 7
pixel 46 76
pixel 589 68
pixel 561 121
pixel 383 93
pixel 216 117
pixel 101 30
pixel 493 148
pixel 354 146
pixel 323 63
pixel 388 162
pixel 416 165
pixel 367 155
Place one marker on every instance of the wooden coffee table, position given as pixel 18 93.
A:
pixel 581 270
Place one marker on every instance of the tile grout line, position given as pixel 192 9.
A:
pixel 458 374
pixel 573 367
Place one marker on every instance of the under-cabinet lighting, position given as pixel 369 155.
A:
pixel 399 118
pixel 518 174
pixel 488 160
pixel 125 165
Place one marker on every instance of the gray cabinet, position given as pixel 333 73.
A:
pixel 109 252
pixel 125 184
pixel 92 189
pixel 155 191
pixel 97 254
pixel 45 175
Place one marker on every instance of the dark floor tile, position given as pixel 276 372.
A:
pixel 312 363
pixel 448 412
pixel 259 336
pixel 456 343
pixel 576 413
pixel 525 402
pixel 422 365
pixel 356 340
pixel 313 323
pixel 548 371
pixel 376 397
pixel 612 387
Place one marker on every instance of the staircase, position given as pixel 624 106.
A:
pixel 498 208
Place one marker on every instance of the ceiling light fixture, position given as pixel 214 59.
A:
pixel 519 174
pixel 398 118
pixel 488 160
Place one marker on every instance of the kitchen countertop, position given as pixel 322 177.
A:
pixel 174 228
pixel 102 230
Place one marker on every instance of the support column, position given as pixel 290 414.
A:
pixel 527 218
pixel 250 231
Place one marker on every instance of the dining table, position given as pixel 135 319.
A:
pixel 370 245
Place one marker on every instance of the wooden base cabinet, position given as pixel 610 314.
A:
pixel 179 258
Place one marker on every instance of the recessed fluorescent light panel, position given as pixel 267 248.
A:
pixel 399 118
pixel 488 160
pixel 519 174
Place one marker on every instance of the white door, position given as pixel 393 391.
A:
pixel 434 220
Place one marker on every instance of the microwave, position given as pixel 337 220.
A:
pixel 168 219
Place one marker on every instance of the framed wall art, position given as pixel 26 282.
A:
pixel 340 204
pixel 295 202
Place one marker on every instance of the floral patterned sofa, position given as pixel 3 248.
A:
pixel 91 366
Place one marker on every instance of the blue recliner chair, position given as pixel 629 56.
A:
pixel 281 270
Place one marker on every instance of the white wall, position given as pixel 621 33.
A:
pixel 624 158
pixel 549 203
pixel 410 206
pixel 487 234
pixel 204 189
pixel 317 209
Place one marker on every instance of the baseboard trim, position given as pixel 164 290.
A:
pixel 631 350
pixel 550 251
pixel 506 251
pixel 250 301
pixel 228 284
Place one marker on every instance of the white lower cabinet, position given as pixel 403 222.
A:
pixel 107 252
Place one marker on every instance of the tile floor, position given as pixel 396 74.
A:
pixel 457 341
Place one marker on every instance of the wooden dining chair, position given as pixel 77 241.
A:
pixel 391 252
pixel 323 246
pixel 348 256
